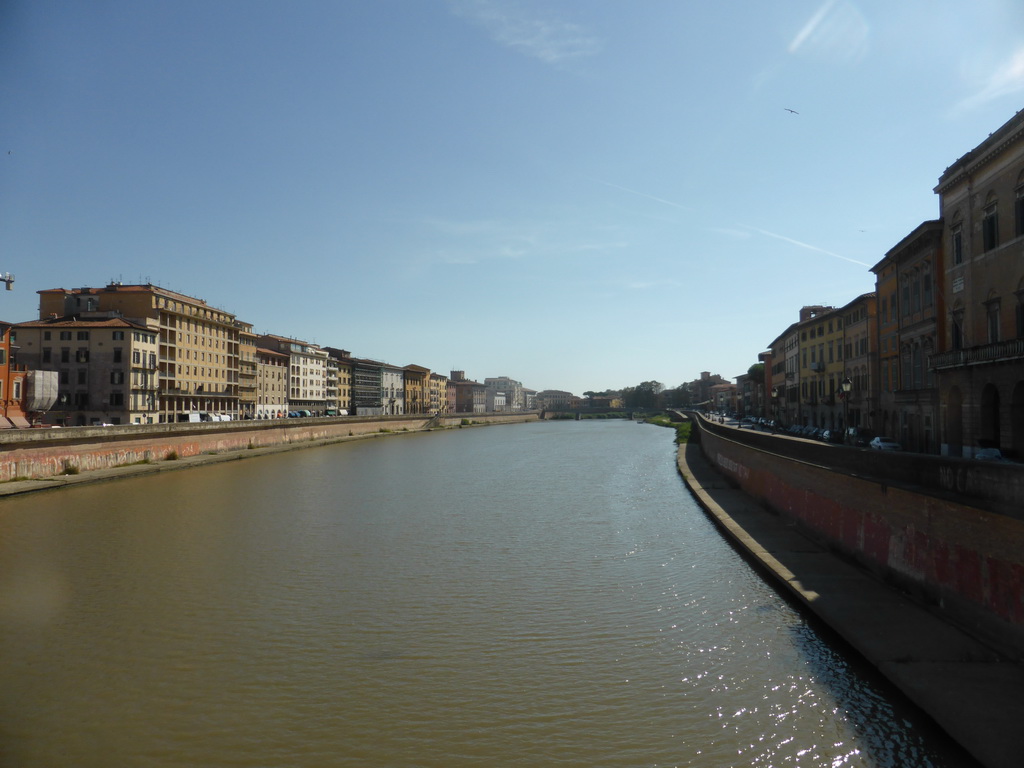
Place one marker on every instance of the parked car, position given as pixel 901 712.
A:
pixel 990 454
pixel 884 444
pixel 833 436
pixel 858 437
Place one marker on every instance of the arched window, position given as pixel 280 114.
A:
pixel 1019 309
pixel 990 223
pixel 956 327
pixel 1018 207
pixel 956 244
pixel 992 317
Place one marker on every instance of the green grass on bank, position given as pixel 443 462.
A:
pixel 682 428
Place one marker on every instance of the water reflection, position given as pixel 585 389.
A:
pixel 543 594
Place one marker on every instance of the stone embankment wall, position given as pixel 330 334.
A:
pixel 41 453
pixel 962 553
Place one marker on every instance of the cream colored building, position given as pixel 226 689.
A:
pixel 307 373
pixel 271 384
pixel 107 369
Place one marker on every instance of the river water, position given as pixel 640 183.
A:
pixel 542 594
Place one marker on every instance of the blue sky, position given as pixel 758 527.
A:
pixel 581 195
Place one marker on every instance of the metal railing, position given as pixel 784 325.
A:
pixel 987 353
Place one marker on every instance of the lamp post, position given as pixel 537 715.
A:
pixel 847 386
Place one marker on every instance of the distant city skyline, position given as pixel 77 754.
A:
pixel 579 196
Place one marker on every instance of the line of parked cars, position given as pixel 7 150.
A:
pixel 855 436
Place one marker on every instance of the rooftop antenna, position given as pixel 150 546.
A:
pixel 8 278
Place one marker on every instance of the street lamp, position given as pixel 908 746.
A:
pixel 847 387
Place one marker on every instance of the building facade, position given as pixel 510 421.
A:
pixel 12 383
pixel 106 366
pixel 860 373
pixel 392 385
pixel 199 345
pixel 271 384
pixel 512 389
pixel 980 363
pixel 307 373
pixel 911 333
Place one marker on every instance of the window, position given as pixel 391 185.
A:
pixel 65 377
pixel 136 357
pixel 65 335
pixel 1018 213
pixel 958 244
pixel 46 335
pixel 47 352
pixel 118 336
pixel 990 227
pixel 82 355
pixel 16 393
pixel 83 335
pixel 957 327
pixel 117 377
pixel 65 354
pixel 81 375
pixel 927 282
pixel 992 320
pixel 116 398
pixel 117 354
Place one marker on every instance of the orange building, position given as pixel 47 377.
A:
pixel 12 384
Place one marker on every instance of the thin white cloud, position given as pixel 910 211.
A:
pixel 643 194
pixel 809 247
pixel 837 32
pixel 739 234
pixel 647 285
pixel 476 241
pixel 534 32
pixel 811 27
pixel 1003 80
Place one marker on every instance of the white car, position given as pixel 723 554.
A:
pixel 884 444
pixel 990 454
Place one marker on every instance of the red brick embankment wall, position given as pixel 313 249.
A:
pixel 966 560
pixel 40 453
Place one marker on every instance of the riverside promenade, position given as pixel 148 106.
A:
pixel 972 693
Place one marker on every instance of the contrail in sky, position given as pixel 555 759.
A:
pixel 805 245
pixel 755 229
pixel 642 194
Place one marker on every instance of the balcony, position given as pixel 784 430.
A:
pixel 1000 352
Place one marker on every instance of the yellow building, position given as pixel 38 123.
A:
pixel 199 344
pixel 417 390
pixel 247 378
pixel 821 366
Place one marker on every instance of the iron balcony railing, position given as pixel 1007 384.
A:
pixel 1000 351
